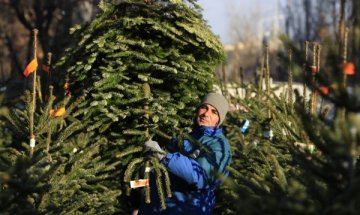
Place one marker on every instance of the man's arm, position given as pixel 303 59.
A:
pixel 199 172
pixel 186 168
pixel 179 164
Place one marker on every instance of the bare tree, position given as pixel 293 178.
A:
pixel 52 19
pixel 355 33
pixel 250 31
pixel 245 49
pixel 315 20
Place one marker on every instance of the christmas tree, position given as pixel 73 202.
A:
pixel 135 73
pixel 264 172
pixel 144 66
pixel 296 158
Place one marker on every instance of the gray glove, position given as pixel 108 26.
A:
pixel 154 147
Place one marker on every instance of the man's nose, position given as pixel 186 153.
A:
pixel 207 112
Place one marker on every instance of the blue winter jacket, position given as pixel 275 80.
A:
pixel 193 174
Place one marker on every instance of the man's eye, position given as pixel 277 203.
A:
pixel 203 107
pixel 215 111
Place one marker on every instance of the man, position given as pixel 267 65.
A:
pixel 194 172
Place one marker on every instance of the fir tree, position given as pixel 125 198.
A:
pixel 57 171
pixel 143 66
pixel 265 173
pixel 310 165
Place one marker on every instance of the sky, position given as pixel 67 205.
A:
pixel 217 13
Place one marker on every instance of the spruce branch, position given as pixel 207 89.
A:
pixel 33 103
pixel 130 150
pixel 158 180
pixel 290 80
pixel 131 168
pixel 146 177
pixel 305 75
pixel 167 181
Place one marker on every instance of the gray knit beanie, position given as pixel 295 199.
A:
pixel 219 102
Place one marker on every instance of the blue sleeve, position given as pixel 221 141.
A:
pixel 186 168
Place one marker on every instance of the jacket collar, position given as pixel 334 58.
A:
pixel 200 131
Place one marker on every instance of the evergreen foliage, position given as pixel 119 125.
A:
pixel 264 175
pixel 136 73
pixel 142 67
pixel 166 44
pixel 64 173
pixel 310 166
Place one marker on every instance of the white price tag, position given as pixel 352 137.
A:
pixel 148 169
pixel 32 142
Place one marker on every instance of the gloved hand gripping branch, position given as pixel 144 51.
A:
pixel 154 147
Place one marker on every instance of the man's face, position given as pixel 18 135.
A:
pixel 207 115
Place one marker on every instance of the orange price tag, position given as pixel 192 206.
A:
pixel 59 112
pixel 314 69
pixel 139 183
pixel 324 90
pixel 348 69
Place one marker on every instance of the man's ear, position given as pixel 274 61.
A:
pixel 217 124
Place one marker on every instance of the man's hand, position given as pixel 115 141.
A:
pixel 153 146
